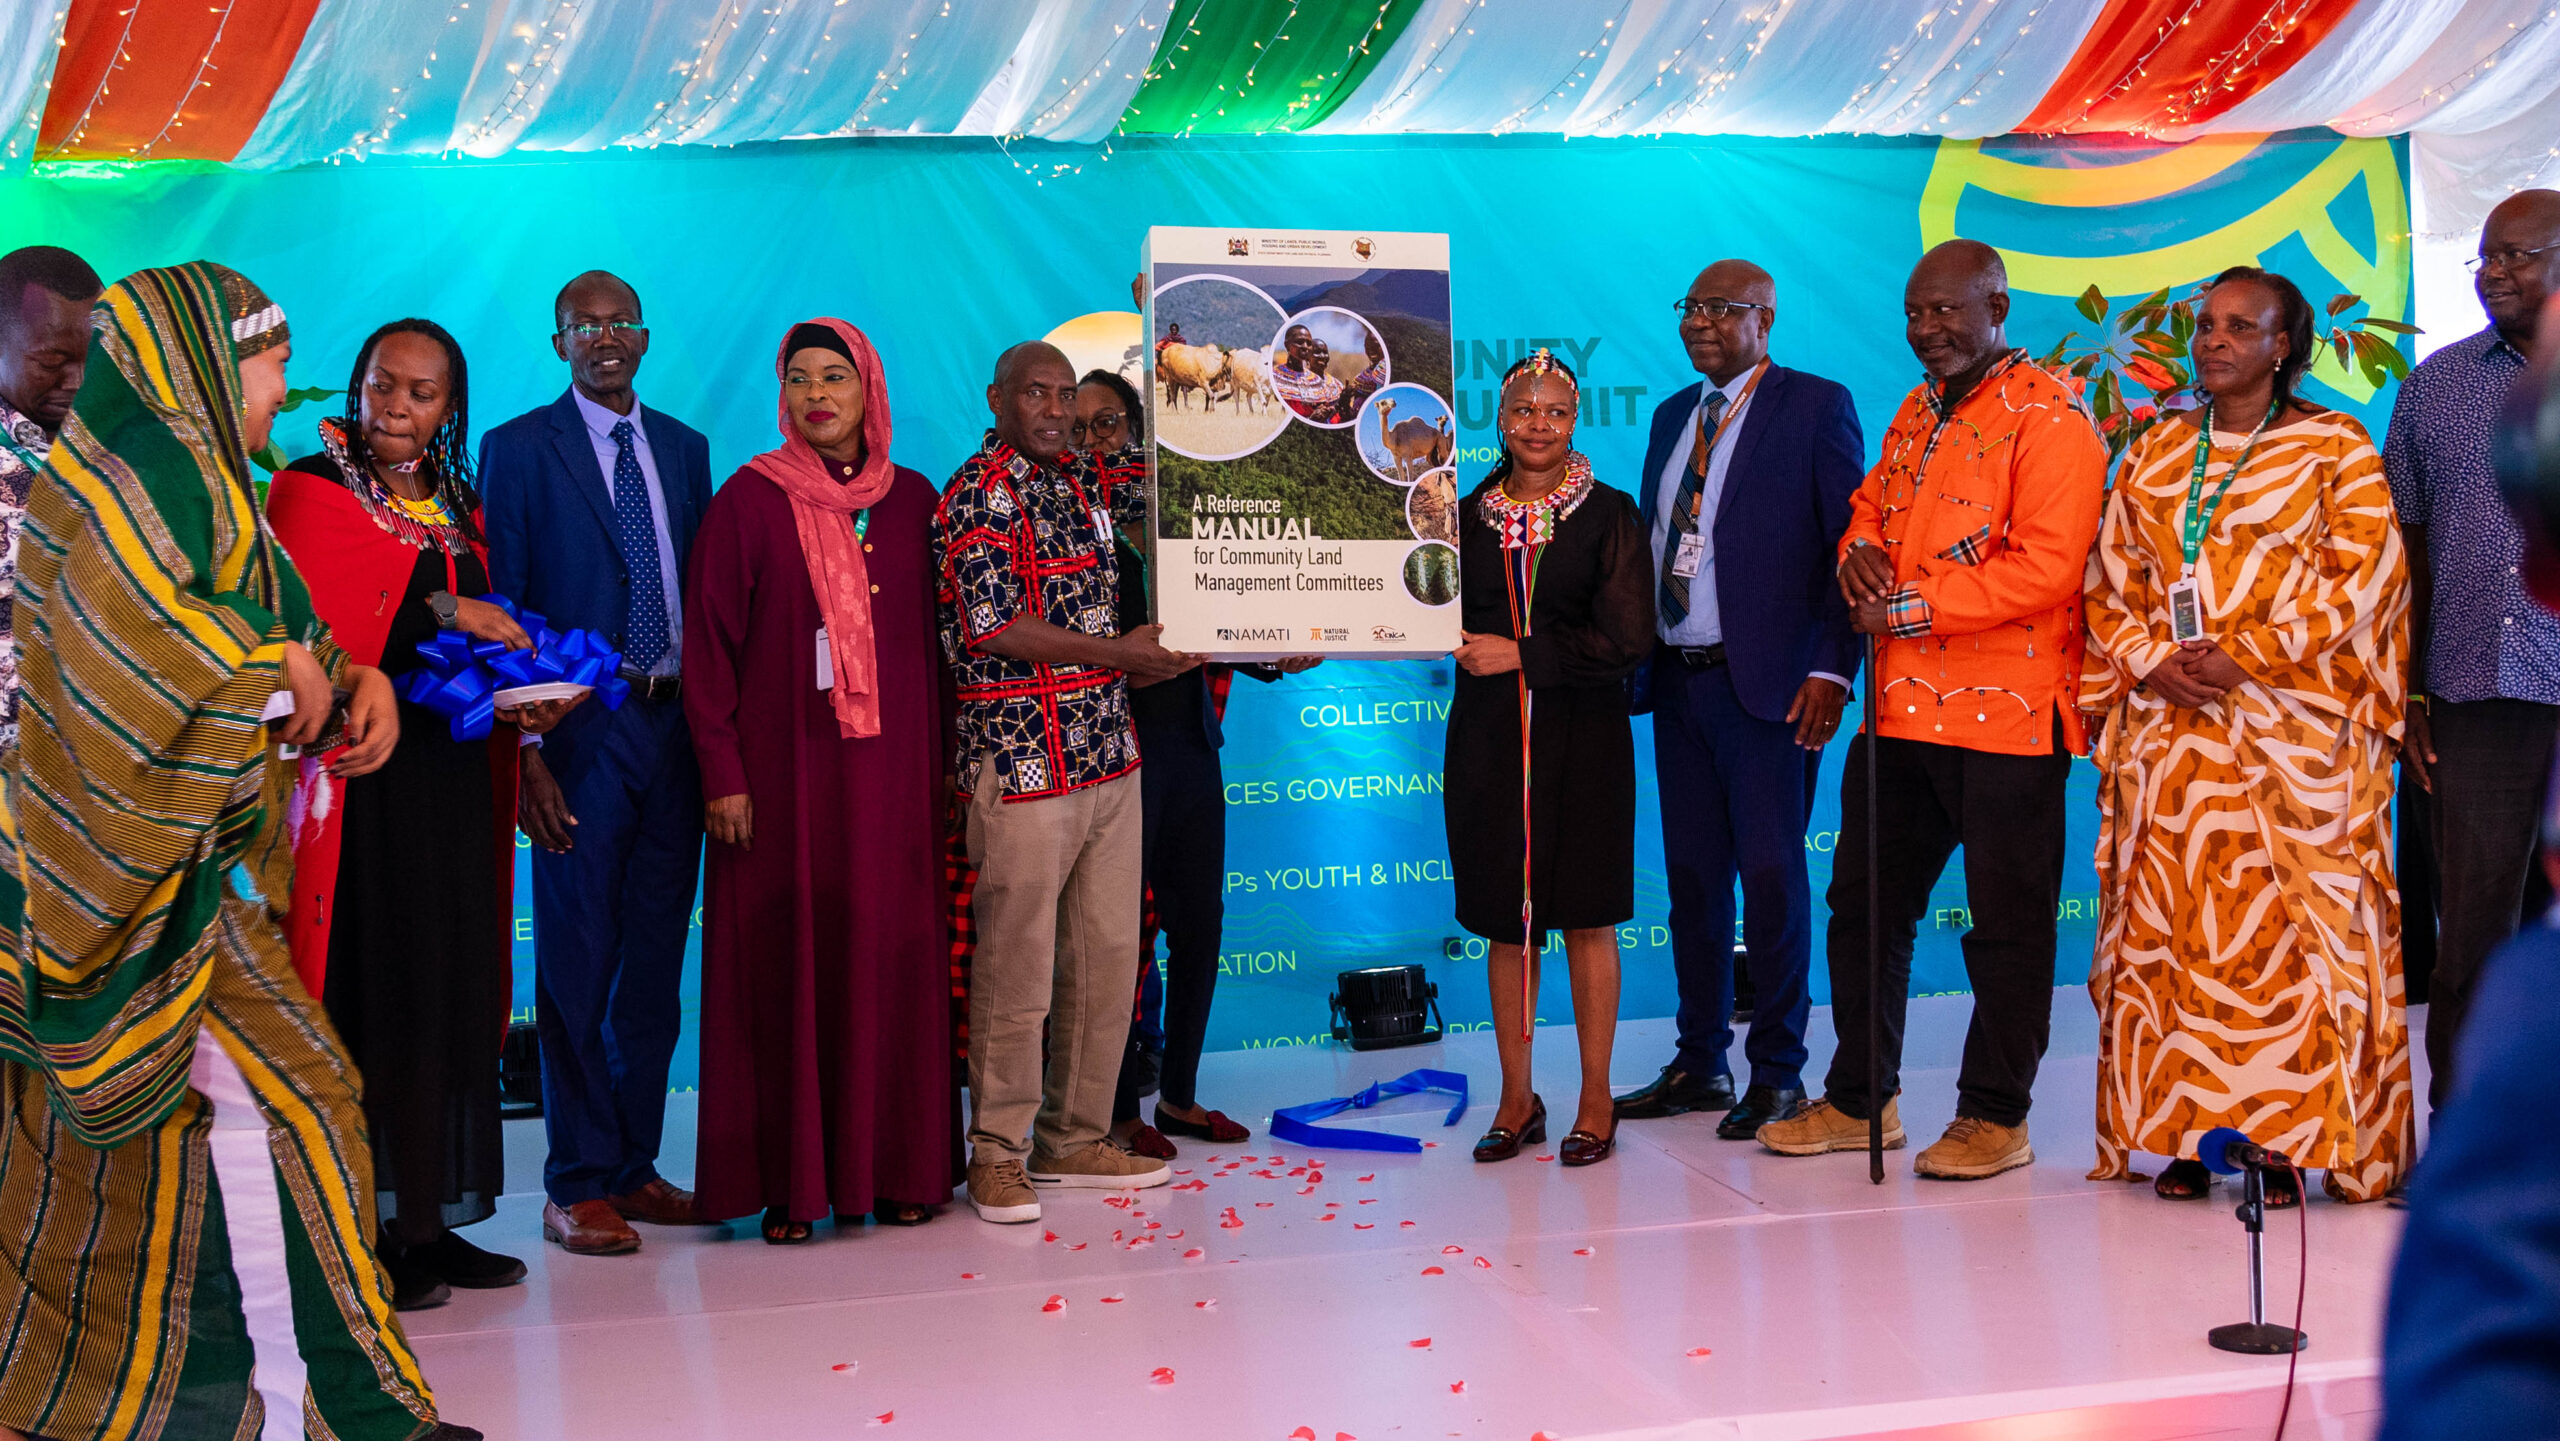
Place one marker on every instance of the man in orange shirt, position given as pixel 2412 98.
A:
pixel 1964 555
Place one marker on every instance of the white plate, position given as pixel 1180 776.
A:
pixel 547 690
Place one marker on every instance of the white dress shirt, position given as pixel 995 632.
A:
pixel 600 424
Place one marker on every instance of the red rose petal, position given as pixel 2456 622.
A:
pixel 972 1276
pixel 1546 1158
pixel 1368 1178
pixel 884 1418
pixel 1054 1304
pixel 1050 1236
pixel 1327 1216
pixel 1695 1352
pixel 1362 1226
pixel 1209 1305
pixel 1181 1171
pixel 1264 1205
pixel 1582 1250
pixel 1481 1261
pixel 1080 1245
pixel 1433 1271
pixel 1161 1376
pixel 1457 1388
pixel 1453 1250
pixel 1420 1344
pixel 1194 1254
pixel 1404 1225
pixel 1303 1433
pixel 844 1365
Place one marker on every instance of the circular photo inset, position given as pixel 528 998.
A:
pixel 1325 362
pixel 1431 573
pixel 1431 506
pixel 1405 430
pixel 1213 398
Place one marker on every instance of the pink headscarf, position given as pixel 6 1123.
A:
pixel 822 508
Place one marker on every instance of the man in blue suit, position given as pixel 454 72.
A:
pixel 592 504
pixel 1746 485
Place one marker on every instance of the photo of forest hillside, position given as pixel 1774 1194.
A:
pixel 1315 475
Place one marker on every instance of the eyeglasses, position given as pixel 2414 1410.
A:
pixel 1715 306
pixel 2508 259
pixel 589 330
pixel 1108 423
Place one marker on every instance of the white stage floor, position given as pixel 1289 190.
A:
pixel 1686 1288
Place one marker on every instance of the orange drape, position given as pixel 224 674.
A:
pixel 167 79
pixel 2155 64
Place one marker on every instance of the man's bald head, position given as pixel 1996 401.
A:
pixel 2519 262
pixel 1954 310
pixel 1033 398
pixel 1723 347
pixel 595 292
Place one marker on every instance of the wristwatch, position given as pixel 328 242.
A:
pixel 448 609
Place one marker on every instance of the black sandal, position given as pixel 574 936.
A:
pixel 1581 1148
pixel 781 1230
pixel 1502 1143
pixel 2183 1181
pixel 2284 1192
pixel 900 1213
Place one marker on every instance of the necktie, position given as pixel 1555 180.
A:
pixel 1684 511
pixel 644 620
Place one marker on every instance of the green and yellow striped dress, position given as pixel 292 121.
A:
pixel 186 1209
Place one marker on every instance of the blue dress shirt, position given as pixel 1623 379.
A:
pixel 600 424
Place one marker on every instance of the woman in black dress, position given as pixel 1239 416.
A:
pixel 400 910
pixel 1556 606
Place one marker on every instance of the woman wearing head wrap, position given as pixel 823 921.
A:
pixel 1556 607
pixel 182 1171
pixel 814 691
pixel 401 919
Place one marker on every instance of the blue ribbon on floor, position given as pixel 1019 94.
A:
pixel 1297 1124
pixel 463 675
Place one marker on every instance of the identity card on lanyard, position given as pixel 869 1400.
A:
pixel 1693 541
pixel 2186 607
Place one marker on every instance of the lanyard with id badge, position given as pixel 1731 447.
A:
pixel 1692 550
pixel 2186 607
pixel 827 656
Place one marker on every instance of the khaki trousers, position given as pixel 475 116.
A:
pixel 1056 911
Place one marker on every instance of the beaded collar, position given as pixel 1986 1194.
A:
pixel 1524 523
pixel 408 522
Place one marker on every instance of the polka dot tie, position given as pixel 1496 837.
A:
pixel 644 620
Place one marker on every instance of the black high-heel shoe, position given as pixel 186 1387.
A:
pixel 1581 1148
pixel 1502 1143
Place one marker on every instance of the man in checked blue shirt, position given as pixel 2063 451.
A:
pixel 2485 669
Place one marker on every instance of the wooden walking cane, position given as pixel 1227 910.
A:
pixel 1875 934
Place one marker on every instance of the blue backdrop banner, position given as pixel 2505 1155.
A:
pixel 946 251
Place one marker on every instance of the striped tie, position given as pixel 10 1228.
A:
pixel 1684 512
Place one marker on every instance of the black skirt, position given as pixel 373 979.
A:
pixel 417 983
pixel 1590 625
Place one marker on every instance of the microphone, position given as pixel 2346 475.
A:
pixel 2227 1152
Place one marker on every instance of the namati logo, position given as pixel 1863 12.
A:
pixel 1364 247
pixel 1385 633
pixel 1265 632
pixel 1238 245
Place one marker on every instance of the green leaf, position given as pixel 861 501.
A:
pixel 2182 323
pixel 2060 347
pixel 2093 304
pixel 2376 322
pixel 271 456
pixel 2165 346
pixel 2341 304
pixel 293 400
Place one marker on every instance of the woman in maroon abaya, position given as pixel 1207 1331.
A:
pixel 814 688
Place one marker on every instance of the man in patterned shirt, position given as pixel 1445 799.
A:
pixel 45 295
pixel 1047 761
pixel 2485 665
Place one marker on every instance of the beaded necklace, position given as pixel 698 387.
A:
pixel 419 523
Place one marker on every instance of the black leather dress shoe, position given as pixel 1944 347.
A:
pixel 1675 1092
pixel 1759 1106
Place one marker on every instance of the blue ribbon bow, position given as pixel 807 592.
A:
pixel 1296 1124
pixel 463 675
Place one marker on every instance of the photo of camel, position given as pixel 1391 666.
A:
pixel 1209 373
pixel 1431 506
pixel 1405 430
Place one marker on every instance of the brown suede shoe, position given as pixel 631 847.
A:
pixel 1821 1127
pixel 1972 1149
pixel 589 1228
pixel 660 1204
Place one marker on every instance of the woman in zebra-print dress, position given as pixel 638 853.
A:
pixel 2248 959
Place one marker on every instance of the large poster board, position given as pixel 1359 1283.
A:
pixel 1302 443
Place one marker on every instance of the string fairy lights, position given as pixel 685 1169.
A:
pixel 106 79
pixel 2435 94
pixel 200 80
pixel 31 120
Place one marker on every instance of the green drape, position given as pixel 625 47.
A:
pixel 1247 66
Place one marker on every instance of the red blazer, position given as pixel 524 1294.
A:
pixel 357 572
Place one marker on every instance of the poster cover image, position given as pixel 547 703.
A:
pixel 1301 441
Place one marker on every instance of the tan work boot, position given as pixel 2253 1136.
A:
pixel 1822 1126
pixel 1973 1148
pixel 1101 1165
pixel 1002 1193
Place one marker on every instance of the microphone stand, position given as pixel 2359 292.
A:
pixel 1875 932
pixel 2255 1336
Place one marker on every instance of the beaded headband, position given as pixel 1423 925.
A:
pixel 1541 362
